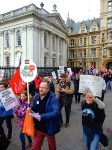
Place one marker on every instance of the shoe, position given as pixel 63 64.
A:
pixel 66 125
pixel 61 123
pixel 28 146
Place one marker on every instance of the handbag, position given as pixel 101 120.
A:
pixel 103 140
pixel 28 127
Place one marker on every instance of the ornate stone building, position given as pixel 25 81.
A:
pixel 35 34
pixel 90 41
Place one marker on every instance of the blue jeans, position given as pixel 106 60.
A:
pixel 91 144
pixel 108 85
pixel 22 138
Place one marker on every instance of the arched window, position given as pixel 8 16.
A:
pixel 7 40
pixel 18 37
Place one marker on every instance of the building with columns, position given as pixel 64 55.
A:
pixel 34 34
pixel 90 41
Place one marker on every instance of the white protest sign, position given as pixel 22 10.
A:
pixel 94 83
pixel 59 73
pixel 17 59
pixel 1 74
pixel 54 75
pixel 61 67
pixel 28 71
pixel 69 70
pixel 8 99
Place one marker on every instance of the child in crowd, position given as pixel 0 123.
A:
pixel 5 115
pixel 19 113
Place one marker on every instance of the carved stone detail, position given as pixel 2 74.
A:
pixel 32 28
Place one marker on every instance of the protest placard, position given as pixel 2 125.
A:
pixel 69 70
pixel 54 75
pixel 61 68
pixel 8 99
pixel 28 71
pixel 59 73
pixel 94 83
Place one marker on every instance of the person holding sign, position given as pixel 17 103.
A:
pixel 19 114
pixel 92 120
pixel 45 111
pixel 5 115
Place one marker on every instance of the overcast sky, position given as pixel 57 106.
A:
pixel 78 9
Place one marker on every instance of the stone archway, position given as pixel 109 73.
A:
pixel 109 65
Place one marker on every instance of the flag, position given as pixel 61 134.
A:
pixel 17 84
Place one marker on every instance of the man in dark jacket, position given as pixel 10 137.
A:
pixel 47 122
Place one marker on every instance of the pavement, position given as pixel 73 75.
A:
pixel 71 138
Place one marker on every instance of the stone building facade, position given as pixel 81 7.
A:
pixel 90 41
pixel 35 34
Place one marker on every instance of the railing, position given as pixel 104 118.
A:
pixel 43 71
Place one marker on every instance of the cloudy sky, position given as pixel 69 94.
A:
pixel 78 9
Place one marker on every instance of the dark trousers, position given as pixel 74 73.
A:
pixel 61 104
pixel 67 112
pixel 22 138
pixel 8 124
pixel 77 97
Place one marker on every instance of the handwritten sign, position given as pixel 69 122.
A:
pixel 28 71
pixel 1 74
pixel 94 83
pixel 8 99
pixel 54 75
pixel 61 67
pixel 59 73
pixel 69 70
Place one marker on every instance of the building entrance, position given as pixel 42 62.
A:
pixel 109 65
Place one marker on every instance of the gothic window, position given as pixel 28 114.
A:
pixel 109 22
pixel 84 53
pixel 18 37
pixel 76 42
pixel 82 29
pixel 81 41
pixel 7 61
pixel 111 35
pixel 84 41
pixel 45 40
pixel 105 52
pixel 72 64
pixel 110 5
pixel 94 28
pixel 93 40
pixel 93 53
pixel 71 54
pixel 72 42
pixel 7 40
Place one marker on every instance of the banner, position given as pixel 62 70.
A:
pixel 17 84
pixel 1 74
pixel 94 83
pixel 8 99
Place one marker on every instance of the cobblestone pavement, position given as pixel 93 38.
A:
pixel 71 138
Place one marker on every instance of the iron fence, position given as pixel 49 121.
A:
pixel 43 71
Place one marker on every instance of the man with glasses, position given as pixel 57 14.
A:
pixel 47 122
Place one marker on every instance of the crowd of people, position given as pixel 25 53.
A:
pixel 48 100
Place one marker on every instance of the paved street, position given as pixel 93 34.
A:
pixel 71 138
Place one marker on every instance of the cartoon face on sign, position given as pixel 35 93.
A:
pixel 28 71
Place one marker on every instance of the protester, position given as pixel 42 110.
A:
pixel 76 87
pixel 5 115
pixel 37 80
pixel 47 122
pixel 92 111
pixel 19 114
pixel 65 91
pixel 51 84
